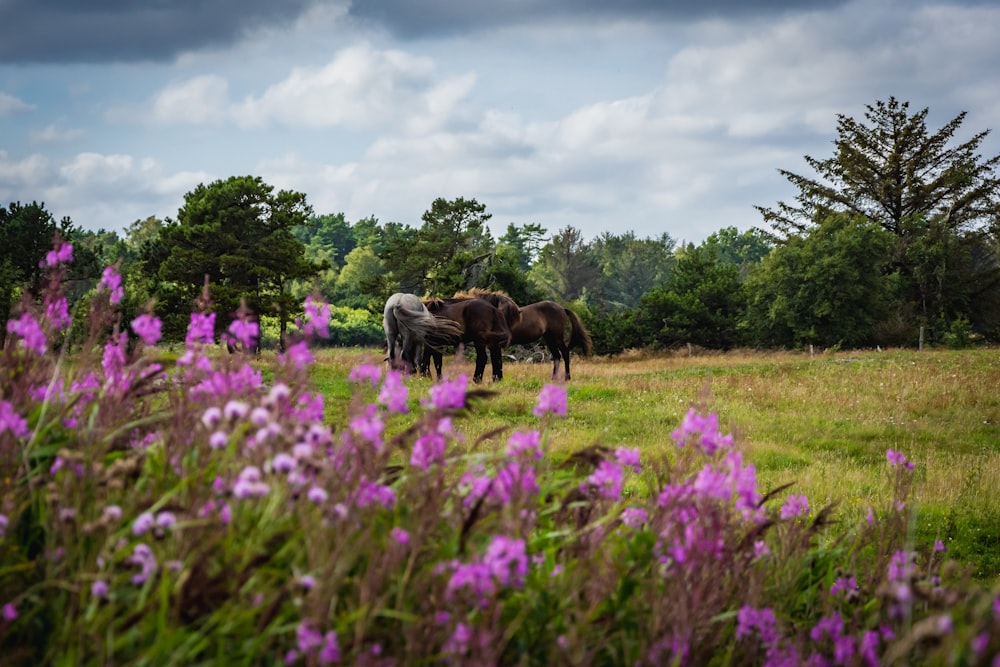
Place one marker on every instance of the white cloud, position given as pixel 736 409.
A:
pixel 10 105
pixel 53 134
pixel 202 100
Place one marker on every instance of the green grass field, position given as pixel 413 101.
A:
pixel 822 422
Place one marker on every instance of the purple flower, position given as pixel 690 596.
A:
pixel 4 522
pixel 307 581
pixel 449 395
pixel 428 449
pixel 32 336
pixel 298 355
pixel 552 398
pixel 317 495
pixel 57 312
pixel 283 462
pixel 628 458
pixel 112 512
pixel 373 493
pixel 99 589
pixel 399 536
pixel 218 440
pixel 63 254
pixel 307 637
pixel 795 506
pixel 394 393
pixel 897 458
pixel 317 315
pixel 607 478
pixel 249 485
pixel 148 328
pixel 142 556
pixel 845 584
pixel 166 519
pixel 143 523
pixel 11 421
pixel 525 442
pixel 9 612
pixel 634 517
pixel 369 426
pixel 245 331
pixel 330 651
pixel 111 281
pixel 507 560
pixel 365 373
pixel 201 329
pixel 702 430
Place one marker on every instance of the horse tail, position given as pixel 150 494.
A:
pixel 579 337
pixel 425 327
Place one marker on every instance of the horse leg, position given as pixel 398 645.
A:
pixel 480 362
pixel 425 361
pixel 553 346
pixel 438 361
pixel 496 359
pixel 565 352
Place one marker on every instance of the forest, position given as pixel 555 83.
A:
pixel 892 241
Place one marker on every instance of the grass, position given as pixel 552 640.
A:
pixel 822 422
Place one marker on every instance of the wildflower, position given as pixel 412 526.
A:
pixel 57 312
pixel 939 546
pixel 245 331
pixel 428 449
pixel 111 281
pixel 365 373
pixel 298 355
pixel 370 493
pixel 166 519
pixel 307 637
pixel 399 536
pixel 506 560
pixel 369 426
pixel 248 484
pixel 628 458
pixel 394 392
pixel 148 327
pixel 283 462
pixel 201 329
pixel 226 514
pixel 218 440
pixel 897 458
pixel 317 314
pixel 143 523
pixel 795 506
pixel 449 395
pixel 4 522
pixel 761 550
pixel 317 495
pixel 552 399
pixel 330 651
pixel 530 442
pixel 112 512
pixel 900 567
pixel 702 429
pixel 9 612
pixel 142 556
pixel 608 480
pixel 32 336
pixel 278 393
pixel 846 584
pixel 99 589
pixel 307 581
pixel 11 421
pixel 234 410
pixel 634 517
pixel 260 416
pixel 62 254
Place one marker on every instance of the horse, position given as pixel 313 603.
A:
pixel 511 313
pixel 408 324
pixel 548 320
pixel 482 325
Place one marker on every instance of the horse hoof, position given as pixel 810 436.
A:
pixel 478 380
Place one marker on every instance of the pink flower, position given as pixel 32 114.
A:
pixel 148 328
pixel 529 442
pixel 32 336
pixel 628 458
pixel 394 393
pixel 201 329
pixel 317 316
pixel 245 331
pixel 143 523
pixel 57 312
pixel 552 399
pixel 898 459
pixel 11 421
pixel 111 280
pixel 428 449
pixel 9 612
pixel 607 478
pixel 399 536
pixel 365 373
pixel 449 395
pixel 795 506
pixel 317 495
pixel 63 254
pixel 99 589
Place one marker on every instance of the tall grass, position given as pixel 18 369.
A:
pixel 204 508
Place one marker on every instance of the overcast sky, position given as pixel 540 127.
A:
pixel 645 115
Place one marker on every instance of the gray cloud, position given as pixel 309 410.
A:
pixel 54 31
pixel 410 19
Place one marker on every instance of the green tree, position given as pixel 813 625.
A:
pixel 238 233
pixel 447 253
pixel 522 243
pixel 567 266
pixel 361 273
pixel 701 302
pixel 330 233
pixel 939 200
pixel 630 267
pixel 742 249
pixel 828 287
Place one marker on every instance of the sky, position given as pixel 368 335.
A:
pixel 650 116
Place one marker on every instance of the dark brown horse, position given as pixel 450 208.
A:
pixel 482 325
pixel 549 321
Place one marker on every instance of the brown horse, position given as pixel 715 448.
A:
pixel 549 320
pixel 481 324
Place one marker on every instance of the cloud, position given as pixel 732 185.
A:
pixel 10 105
pixel 361 87
pixel 53 31
pixel 52 134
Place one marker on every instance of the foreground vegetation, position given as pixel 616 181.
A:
pixel 210 509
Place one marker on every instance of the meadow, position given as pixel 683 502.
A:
pixel 189 506
pixel 822 422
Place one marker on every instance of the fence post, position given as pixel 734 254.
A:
pixel 920 345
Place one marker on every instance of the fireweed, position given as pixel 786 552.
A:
pixel 191 512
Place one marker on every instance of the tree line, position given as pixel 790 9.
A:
pixel 895 234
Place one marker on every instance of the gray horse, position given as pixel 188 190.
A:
pixel 408 325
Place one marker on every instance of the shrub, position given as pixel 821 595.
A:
pixel 198 515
